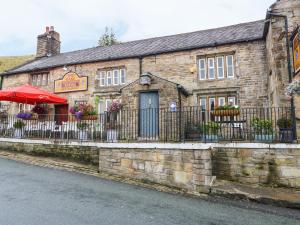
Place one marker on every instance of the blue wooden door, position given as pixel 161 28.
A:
pixel 148 114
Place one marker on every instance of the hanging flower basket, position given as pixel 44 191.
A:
pixel 293 88
pixel 89 117
pixel 27 116
pixel 84 112
pixel 226 111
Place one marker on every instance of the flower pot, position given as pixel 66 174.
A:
pixel 210 137
pixel 286 135
pixel 190 135
pixel 264 137
pixel 82 135
pixel 112 135
pixel 18 133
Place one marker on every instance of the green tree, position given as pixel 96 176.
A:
pixel 108 38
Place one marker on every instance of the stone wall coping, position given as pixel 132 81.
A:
pixel 179 146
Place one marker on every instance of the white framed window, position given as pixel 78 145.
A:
pixel 220 67
pixel 101 106
pixel 211 68
pixel 116 77
pixel 39 80
pixel 45 79
pixel 122 76
pixel 34 80
pixel 202 69
pixel 231 100
pixel 102 78
pixel 230 66
pixel 203 103
pixel 221 101
pixel 107 104
pixel 212 103
pixel 109 78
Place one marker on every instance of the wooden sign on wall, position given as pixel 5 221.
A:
pixel 296 52
pixel 70 82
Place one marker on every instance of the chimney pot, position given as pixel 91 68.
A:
pixel 47 30
pixel 51 28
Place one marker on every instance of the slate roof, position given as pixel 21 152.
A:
pixel 243 32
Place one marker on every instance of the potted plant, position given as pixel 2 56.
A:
pixel 112 119
pixel 84 112
pixel 82 127
pixel 27 116
pixel 285 126
pixel 263 129
pixel 19 131
pixel 210 131
pixel 193 131
pixel 226 110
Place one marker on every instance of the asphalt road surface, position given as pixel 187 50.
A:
pixel 34 196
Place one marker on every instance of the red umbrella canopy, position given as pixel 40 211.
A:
pixel 30 95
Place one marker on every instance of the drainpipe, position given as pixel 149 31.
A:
pixel 179 106
pixel 141 65
pixel 288 62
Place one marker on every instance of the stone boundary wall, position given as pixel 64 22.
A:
pixel 85 154
pixel 278 167
pixel 190 166
pixel 187 169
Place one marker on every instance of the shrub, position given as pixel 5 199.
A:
pixel 211 128
pixel 82 125
pixel 262 126
pixel 284 123
pixel 19 124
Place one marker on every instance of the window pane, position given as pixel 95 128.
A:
pixel 122 76
pixel 211 103
pixel 202 69
pixel 45 79
pixel 101 107
pixel 230 66
pixel 108 103
pixel 34 78
pixel 39 80
pixel 231 101
pixel 116 77
pixel 102 78
pixel 211 68
pixel 109 78
pixel 221 101
pixel 203 103
pixel 220 62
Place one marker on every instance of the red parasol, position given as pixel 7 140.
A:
pixel 30 95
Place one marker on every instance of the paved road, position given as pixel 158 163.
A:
pixel 34 196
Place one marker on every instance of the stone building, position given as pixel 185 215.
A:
pixel 243 64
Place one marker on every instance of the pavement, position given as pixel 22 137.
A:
pixel 32 194
pixel 283 197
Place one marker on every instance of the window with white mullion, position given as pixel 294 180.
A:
pixel 202 69
pixel 221 101
pixel 230 66
pixel 102 78
pixel 116 77
pixel 122 76
pixel 109 78
pixel 211 68
pixel 220 67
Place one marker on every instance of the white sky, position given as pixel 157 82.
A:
pixel 81 23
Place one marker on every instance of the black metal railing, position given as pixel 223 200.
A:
pixel 159 125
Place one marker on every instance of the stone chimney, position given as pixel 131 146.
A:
pixel 48 44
